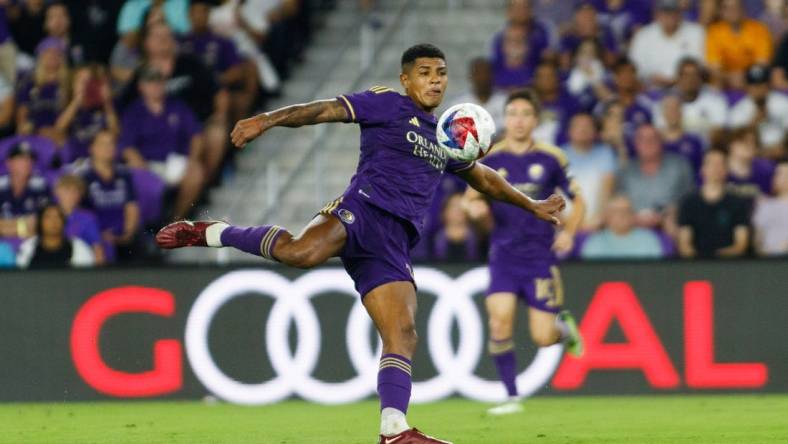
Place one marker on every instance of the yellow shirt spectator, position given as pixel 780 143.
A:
pixel 731 50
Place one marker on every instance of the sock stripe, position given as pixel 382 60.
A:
pixel 265 244
pixel 395 363
pixel 497 347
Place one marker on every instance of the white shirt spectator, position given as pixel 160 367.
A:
pixel 254 12
pixel 655 53
pixel 774 128
pixel 81 254
pixel 708 111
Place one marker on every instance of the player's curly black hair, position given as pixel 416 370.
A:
pixel 421 50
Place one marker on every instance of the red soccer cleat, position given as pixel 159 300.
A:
pixel 184 233
pixel 411 436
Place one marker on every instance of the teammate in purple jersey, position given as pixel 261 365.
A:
pixel 523 262
pixel 373 225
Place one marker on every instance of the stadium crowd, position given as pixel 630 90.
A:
pixel 672 115
pixel 115 114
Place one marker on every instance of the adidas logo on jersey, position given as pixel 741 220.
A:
pixel 415 122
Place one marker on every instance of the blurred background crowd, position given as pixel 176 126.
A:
pixel 115 114
pixel 114 118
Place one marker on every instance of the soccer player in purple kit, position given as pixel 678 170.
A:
pixel 373 225
pixel 523 263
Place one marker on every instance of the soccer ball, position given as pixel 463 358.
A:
pixel 465 131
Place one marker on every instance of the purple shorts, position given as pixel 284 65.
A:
pixel 377 248
pixel 537 284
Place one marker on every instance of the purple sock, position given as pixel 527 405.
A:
pixel 394 382
pixel 259 241
pixel 505 361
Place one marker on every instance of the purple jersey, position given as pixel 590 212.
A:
pixel 156 136
pixel 5 33
pixel 108 199
pixel 82 224
pixel 33 197
pixel 623 20
pixel 519 235
pixel 758 182
pixel 43 102
pixel 688 146
pixel 401 163
pixel 537 41
pixel 86 125
pixel 216 52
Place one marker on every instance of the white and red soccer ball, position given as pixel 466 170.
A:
pixel 465 131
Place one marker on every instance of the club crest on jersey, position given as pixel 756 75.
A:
pixel 535 172
pixel 346 215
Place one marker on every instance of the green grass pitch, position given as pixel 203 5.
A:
pixel 657 419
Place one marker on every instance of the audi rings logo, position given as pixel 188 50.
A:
pixel 455 370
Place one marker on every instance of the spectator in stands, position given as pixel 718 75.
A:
pixel 57 24
pixel 7 255
pixel 654 181
pixel 51 247
pixel 588 76
pixel 221 56
pixel 80 223
pixel 734 43
pixel 456 240
pixel 93 24
pixel 26 20
pixel 613 129
pixel 517 50
pixel 252 24
pixel 110 195
pixel 89 111
pixel 763 109
pixel 712 221
pixel 7 48
pixel 585 26
pixel 593 166
pixel 188 80
pixel 623 17
pixel 174 12
pixel 771 217
pixel 558 106
pixel 704 110
pixel 748 174
pixel 621 238
pixel 674 138
pixel 161 133
pixel 628 91
pixel 22 193
pixel 657 48
pixel 482 91
pixel 42 95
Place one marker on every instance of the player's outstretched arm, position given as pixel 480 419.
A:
pixel 487 181
pixel 293 116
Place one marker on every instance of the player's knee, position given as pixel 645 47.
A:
pixel 544 338
pixel 500 327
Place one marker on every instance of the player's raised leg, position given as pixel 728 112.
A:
pixel 392 307
pixel 323 238
pixel 501 310
pixel 552 328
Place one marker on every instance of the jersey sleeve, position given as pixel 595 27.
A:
pixel 564 180
pixel 371 107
